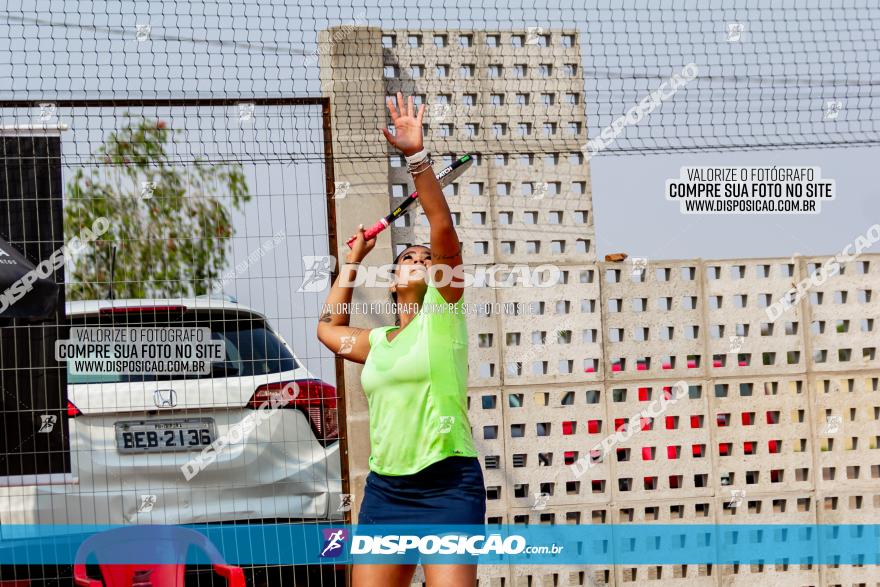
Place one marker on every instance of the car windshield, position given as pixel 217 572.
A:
pixel 251 348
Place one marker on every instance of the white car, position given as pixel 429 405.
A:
pixel 135 439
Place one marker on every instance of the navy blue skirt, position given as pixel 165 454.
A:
pixel 450 491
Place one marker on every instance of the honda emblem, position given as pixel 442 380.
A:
pixel 165 398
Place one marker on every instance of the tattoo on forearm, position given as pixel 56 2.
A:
pixel 325 316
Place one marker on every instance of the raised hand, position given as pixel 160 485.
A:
pixel 407 137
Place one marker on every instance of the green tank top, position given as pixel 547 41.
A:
pixel 416 388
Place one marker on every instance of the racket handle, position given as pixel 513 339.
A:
pixel 371 232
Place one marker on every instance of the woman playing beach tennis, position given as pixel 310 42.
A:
pixel 423 465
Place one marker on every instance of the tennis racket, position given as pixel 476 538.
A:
pixel 446 176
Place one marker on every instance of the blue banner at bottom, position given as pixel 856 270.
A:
pixel 300 544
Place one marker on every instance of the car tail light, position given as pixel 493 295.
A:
pixel 313 397
pixel 72 410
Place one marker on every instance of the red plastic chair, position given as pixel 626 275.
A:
pixel 148 539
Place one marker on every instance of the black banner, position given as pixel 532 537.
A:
pixel 33 396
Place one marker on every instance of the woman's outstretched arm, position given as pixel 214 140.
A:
pixel 333 329
pixel 445 246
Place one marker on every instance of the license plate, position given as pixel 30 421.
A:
pixel 139 436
